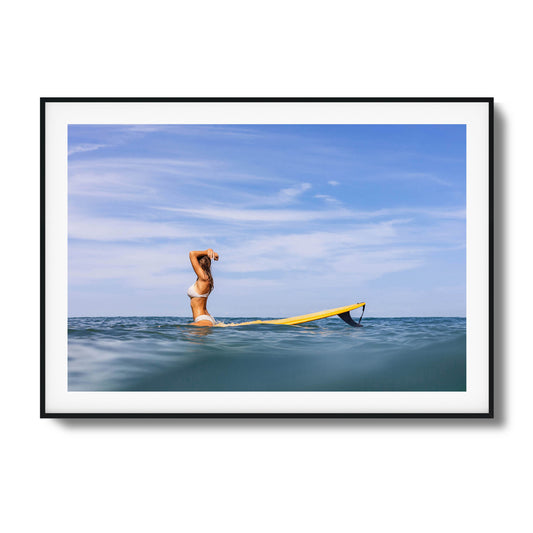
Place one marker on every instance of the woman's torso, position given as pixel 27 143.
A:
pixel 199 303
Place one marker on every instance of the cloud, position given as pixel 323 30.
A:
pixel 147 163
pixel 157 175
pixel 107 229
pixel 131 264
pixel 228 214
pixel 85 147
pixel 372 249
pixel 281 251
pixel 153 180
pixel 333 182
pixel 412 176
pixel 318 257
pixel 103 184
pixel 327 198
pixel 198 130
pixel 290 194
pixel 425 176
pixel 451 213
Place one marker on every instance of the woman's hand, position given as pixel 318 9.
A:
pixel 211 254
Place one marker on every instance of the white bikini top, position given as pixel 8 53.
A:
pixel 191 292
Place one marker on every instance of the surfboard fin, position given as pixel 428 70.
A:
pixel 349 320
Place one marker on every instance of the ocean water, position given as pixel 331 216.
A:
pixel 167 354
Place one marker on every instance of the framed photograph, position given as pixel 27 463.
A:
pixel 266 257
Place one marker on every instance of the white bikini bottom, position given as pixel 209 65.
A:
pixel 205 317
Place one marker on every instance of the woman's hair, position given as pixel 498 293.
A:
pixel 205 263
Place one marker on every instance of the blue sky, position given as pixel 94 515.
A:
pixel 304 217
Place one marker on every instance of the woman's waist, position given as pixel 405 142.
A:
pixel 198 305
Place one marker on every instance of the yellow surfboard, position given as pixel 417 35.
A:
pixel 343 312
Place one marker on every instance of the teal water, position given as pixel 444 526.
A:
pixel 167 354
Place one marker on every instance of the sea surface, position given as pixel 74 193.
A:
pixel 168 354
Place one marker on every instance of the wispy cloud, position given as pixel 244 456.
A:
pixel 108 229
pixel 292 251
pixel 428 212
pixel 85 147
pixel 228 214
pixel 118 186
pixel 140 163
pixel 150 266
pixel 197 130
pixel 131 265
pixel 113 136
pixel 422 177
pixel 327 198
pixel 290 194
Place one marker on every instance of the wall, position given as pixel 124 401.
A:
pixel 369 475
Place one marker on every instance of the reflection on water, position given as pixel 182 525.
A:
pixel 195 332
pixel 155 353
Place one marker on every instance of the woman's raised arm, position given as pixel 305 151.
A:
pixel 194 255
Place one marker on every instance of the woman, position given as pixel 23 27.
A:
pixel 202 287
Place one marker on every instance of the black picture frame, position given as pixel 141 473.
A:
pixel 45 412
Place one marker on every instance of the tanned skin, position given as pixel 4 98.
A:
pixel 203 285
